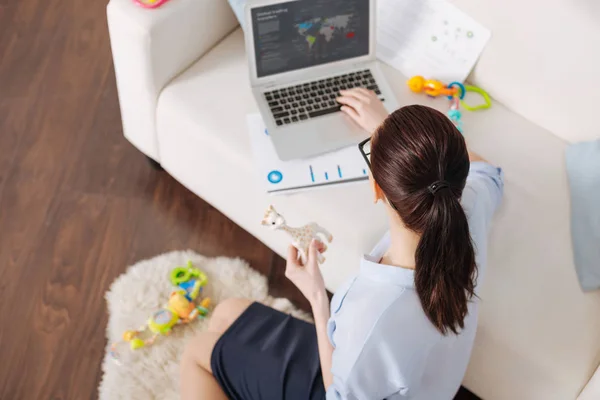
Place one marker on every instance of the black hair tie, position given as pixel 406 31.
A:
pixel 437 186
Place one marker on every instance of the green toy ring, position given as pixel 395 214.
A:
pixel 202 279
pixel 180 275
pixel 486 98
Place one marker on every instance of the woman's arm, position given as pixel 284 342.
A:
pixel 365 108
pixel 309 280
pixel 320 308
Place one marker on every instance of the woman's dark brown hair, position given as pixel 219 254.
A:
pixel 417 147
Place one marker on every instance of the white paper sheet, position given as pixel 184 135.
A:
pixel 431 38
pixel 342 166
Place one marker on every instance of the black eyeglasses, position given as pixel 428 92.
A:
pixel 365 149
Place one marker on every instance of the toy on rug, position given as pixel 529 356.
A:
pixel 455 92
pixel 301 237
pixel 180 309
pixel 150 3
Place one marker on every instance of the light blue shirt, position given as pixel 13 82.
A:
pixel 384 345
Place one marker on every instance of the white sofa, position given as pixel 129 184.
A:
pixel 539 334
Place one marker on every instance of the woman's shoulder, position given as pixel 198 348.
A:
pixel 485 182
pixel 379 311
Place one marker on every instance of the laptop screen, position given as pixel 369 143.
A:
pixel 301 34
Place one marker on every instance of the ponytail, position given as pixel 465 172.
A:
pixel 420 161
pixel 445 263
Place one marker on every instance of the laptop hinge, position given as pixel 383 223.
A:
pixel 269 84
pixel 276 82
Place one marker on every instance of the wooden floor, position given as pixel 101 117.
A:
pixel 78 203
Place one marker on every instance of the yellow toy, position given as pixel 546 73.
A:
pixel 180 309
pixel 455 92
pixel 430 87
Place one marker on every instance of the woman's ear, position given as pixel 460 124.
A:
pixel 377 192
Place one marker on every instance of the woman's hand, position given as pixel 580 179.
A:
pixel 364 107
pixel 307 278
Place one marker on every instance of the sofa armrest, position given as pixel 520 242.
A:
pixel 150 47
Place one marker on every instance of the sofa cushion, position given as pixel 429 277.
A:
pixel 542 61
pixel 583 168
pixel 538 333
pixel 150 47
pixel 204 112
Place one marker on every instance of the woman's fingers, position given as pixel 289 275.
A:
pixel 353 102
pixel 316 246
pixel 292 257
pixel 358 93
pixel 320 246
pixel 369 94
pixel 351 112
pixel 313 251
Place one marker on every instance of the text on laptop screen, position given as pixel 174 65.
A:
pixel 300 34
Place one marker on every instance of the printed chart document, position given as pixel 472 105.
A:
pixel 431 38
pixel 342 166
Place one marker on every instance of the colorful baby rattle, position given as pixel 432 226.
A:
pixel 180 309
pixel 150 3
pixel 455 92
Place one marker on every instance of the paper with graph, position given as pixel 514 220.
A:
pixel 342 166
pixel 432 38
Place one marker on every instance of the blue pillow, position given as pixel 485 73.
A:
pixel 238 9
pixel 583 169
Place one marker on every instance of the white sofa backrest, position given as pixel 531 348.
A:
pixel 152 46
pixel 543 61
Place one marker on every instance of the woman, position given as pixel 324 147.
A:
pixel 403 327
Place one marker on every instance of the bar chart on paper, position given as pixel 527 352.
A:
pixel 341 166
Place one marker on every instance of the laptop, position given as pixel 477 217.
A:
pixel 301 54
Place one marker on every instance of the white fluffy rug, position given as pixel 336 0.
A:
pixel 153 372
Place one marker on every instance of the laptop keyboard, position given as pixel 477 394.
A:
pixel 315 99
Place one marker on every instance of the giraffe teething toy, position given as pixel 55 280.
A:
pixel 301 237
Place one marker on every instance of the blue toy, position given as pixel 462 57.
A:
pixel 189 279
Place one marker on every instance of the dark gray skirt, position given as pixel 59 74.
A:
pixel 266 354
